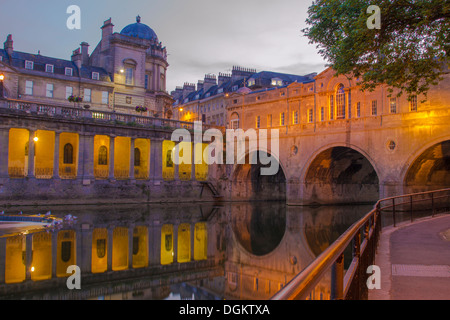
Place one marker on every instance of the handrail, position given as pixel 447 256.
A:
pixel 351 285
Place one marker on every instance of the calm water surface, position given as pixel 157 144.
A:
pixel 153 252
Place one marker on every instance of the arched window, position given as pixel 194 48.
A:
pixel 234 121
pixel 68 154
pixel 103 156
pixel 340 102
pixel 137 157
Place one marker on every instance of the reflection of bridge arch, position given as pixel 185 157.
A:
pixel 340 173
pixel 428 168
pixel 257 232
pixel 248 183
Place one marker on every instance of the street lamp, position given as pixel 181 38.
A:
pixel 2 78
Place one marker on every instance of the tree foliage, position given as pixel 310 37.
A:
pixel 410 51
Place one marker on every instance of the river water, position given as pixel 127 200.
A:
pixel 247 250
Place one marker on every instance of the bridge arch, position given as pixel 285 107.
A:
pixel 339 173
pixel 428 168
pixel 248 183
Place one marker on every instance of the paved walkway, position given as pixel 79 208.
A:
pixel 415 261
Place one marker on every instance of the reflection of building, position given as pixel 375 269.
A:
pixel 165 247
pixel 125 70
pixel 208 102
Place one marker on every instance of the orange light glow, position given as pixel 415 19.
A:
pixel 2 77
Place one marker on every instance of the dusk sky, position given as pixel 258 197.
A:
pixel 201 36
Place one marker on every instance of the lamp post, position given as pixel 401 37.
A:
pixel 2 78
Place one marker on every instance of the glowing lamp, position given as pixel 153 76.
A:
pixel 36 139
pixel 181 109
pixel 32 269
pixel 122 71
pixel 2 77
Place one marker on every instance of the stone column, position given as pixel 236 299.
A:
pixel 193 162
pixel 56 156
pixel 85 168
pixel 31 153
pixel 111 157
pixel 132 143
pixel 156 160
pixel 4 146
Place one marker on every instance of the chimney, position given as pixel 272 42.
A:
pixel 77 58
pixel 177 93
pixel 200 84
pixel 223 78
pixel 8 45
pixel 188 88
pixel 239 73
pixel 84 53
pixel 210 81
pixel 107 30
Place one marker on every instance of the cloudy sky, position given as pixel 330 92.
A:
pixel 201 36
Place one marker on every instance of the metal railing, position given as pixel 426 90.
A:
pixel 363 237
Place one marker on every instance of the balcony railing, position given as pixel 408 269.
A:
pixel 326 274
pixel 66 112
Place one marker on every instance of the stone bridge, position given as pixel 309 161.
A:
pixel 353 159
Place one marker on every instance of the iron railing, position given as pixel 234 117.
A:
pixel 363 237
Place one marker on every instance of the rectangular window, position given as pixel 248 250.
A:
pixel 295 117
pixel 29 65
pixel 258 122
pixel 374 108
pixel 322 114
pixel 358 109
pixel 393 105
pixel 310 116
pixel 68 72
pixel 49 90
pixel 269 121
pixel 49 68
pixel 105 97
pixel 413 104
pixel 69 92
pixel 87 95
pixel 129 76
pixel 29 87
pixel 146 82
pixel 95 76
pixel 282 119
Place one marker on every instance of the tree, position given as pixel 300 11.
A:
pixel 409 52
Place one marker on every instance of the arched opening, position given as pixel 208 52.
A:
pixel 341 175
pixel 431 170
pixel 68 154
pixel 260 227
pixel 103 156
pixel 249 184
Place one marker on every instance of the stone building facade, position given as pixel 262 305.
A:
pixel 206 101
pixel 125 70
